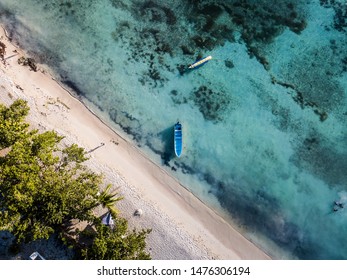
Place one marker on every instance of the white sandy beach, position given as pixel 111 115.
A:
pixel 182 226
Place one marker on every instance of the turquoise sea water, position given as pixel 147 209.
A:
pixel 265 122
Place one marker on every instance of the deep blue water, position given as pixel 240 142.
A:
pixel 264 122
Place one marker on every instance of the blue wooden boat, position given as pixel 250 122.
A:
pixel 178 139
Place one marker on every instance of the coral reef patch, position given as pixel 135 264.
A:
pixel 320 156
pixel 163 28
pixel 313 78
pixel 211 104
pixel 340 18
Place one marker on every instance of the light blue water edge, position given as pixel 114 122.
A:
pixel 264 122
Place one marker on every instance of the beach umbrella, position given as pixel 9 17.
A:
pixel 108 220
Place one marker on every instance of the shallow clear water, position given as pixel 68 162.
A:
pixel 265 122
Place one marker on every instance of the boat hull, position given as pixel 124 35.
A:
pixel 200 62
pixel 178 139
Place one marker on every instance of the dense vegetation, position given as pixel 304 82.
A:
pixel 45 186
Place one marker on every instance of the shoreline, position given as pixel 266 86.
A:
pixel 183 227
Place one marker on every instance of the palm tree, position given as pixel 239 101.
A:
pixel 107 200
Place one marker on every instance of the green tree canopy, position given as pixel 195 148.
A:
pixel 118 243
pixel 43 186
pixel 107 200
pixel 12 125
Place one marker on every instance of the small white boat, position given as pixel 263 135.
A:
pixel 200 62
pixel 178 139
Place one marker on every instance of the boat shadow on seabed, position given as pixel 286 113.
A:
pixel 167 137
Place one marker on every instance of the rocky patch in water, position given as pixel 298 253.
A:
pixel 340 18
pixel 313 77
pixel 197 27
pixel 211 104
pixel 323 158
